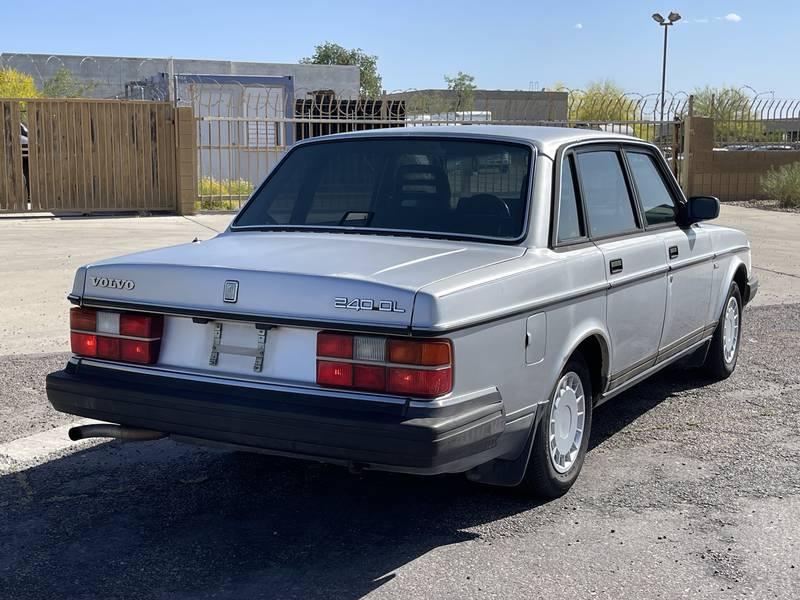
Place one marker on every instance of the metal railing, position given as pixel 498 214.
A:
pixel 744 123
pixel 243 130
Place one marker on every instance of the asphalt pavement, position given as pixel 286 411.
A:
pixel 690 490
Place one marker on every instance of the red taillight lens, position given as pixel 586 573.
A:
pixel 418 382
pixel 373 364
pixel 82 319
pixel 109 335
pixel 145 326
pixel 369 377
pixel 145 353
pixel 108 347
pixel 84 344
pixel 335 345
pixel 334 373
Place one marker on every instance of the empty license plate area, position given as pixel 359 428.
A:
pixel 232 347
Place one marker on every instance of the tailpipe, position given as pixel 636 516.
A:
pixel 119 432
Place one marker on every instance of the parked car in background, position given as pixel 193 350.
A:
pixel 422 300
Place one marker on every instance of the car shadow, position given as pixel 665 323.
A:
pixel 621 411
pixel 164 520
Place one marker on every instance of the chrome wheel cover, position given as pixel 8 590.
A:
pixel 730 330
pixel 567 415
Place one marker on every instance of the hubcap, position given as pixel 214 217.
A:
pixel 567 413
pixel 730 330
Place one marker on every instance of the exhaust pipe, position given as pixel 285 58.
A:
pixel 119 432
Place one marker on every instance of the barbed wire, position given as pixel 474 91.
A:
pixel 148 79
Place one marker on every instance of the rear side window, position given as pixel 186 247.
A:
pixel 569 223
pixel 608 202
pixel 657 202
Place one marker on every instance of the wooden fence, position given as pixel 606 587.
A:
pixel 90 156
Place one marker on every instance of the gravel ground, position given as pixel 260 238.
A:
pixel 765 205
pixel 24 409
pixel 690 490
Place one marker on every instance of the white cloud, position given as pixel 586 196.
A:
pixel 732 17
pixel 578 26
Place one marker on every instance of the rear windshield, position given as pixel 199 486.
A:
pixel 444 187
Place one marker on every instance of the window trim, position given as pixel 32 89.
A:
pixel 668 184
pixel 500 140
pixel 556 208
pixel 555 195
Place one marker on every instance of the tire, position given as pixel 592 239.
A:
pixel 721 358
pixel 546 476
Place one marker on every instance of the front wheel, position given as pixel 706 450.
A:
pixel 562 438
pixel 724 350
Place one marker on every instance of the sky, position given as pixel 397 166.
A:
pixel 505 45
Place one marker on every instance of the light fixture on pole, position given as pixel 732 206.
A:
pixel 665 23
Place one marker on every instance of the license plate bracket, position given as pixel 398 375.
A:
pixel 217 347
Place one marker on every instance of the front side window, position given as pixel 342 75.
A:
pixel 446 187
pixel 605 193
pixel 657 202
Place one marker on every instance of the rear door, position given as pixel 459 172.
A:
pixel 689 252
pixel 635 262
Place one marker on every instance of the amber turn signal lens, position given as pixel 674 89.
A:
pixel 412 352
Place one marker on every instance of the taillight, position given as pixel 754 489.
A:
pixel 421 368
pixel 125 337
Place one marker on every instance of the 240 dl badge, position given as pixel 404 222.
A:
pixel 367 304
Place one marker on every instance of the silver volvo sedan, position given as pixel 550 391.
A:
pixel 423 300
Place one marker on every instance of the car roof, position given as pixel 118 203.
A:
pixel 546 139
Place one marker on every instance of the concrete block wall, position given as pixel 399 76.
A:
pixel 728 174
pixel 186 160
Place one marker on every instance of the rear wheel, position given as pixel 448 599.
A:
pixel 562 438
pixel 724 350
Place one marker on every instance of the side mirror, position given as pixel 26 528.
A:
pixel 700 208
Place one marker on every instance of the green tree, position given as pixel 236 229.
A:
pixel 464 86
pixel 732 111
pixel 721 102
pixel 330 53
pixel 63 85
pixel 601 102
pixel 14 84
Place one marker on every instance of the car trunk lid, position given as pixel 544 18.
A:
pixel 286 277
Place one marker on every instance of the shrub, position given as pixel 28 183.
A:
pixel 225 194
pixel 783 185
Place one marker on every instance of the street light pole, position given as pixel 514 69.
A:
pixel 672 18
pixel 664 71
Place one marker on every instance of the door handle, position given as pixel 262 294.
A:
pixel 615 266
pixel 673 252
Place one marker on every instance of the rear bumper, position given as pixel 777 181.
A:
pixel 750 290
pixel 371 434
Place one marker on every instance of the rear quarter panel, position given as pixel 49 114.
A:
pixel 567 288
